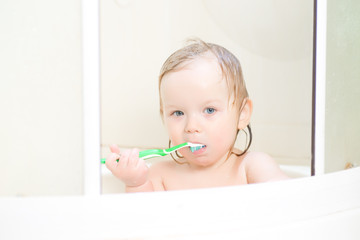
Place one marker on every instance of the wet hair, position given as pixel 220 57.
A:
pixel 230 68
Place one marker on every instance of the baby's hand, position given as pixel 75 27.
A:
pixel 129 169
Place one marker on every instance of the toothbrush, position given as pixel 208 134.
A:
pixel 151 153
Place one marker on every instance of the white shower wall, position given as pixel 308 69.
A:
pixel 41 98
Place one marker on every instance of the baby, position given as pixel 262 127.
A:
pixel 203 99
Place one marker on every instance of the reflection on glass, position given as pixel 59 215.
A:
pixel 342 129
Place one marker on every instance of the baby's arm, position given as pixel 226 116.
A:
pixel 129 169
pixel 260 167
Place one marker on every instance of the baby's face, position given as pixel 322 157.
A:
pixel 197 109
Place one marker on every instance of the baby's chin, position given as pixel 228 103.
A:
pixel 201 162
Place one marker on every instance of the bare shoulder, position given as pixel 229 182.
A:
pixel 162 167
pixel 260 167
pixel 158 172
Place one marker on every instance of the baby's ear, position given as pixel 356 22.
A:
pixel 245 115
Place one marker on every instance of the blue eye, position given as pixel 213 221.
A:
pixel 209 110
pixel 178 113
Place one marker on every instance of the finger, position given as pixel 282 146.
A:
pixel 140 164
pixel 111 161
pixel 134 157
pixel 114 148
pixel 124 158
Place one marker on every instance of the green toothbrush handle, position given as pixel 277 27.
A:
pixel 152 152
pixel 149 152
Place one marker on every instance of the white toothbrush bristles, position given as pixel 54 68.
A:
pixel 196 146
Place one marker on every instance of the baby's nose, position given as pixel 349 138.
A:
pixel 192 125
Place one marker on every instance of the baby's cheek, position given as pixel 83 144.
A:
pixel 175 136
pixel 226 136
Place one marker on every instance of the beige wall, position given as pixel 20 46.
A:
pixel 273 41
pixel 342 130
pixel 41 98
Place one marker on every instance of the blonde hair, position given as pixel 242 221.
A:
pixel 229 64
pixel 230 67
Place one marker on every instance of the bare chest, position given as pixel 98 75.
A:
pixel 178 180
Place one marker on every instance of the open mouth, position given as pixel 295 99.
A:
pixel 197 148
